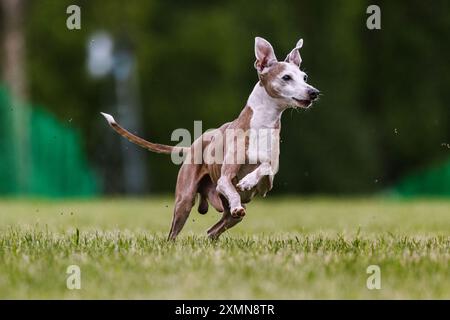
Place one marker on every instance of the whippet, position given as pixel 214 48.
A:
pixel 229 184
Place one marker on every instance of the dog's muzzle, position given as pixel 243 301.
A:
pixel 313 95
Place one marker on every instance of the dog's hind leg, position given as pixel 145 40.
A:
pixel 203 205
pixel 226 222
pixel 208 193
pixel 183 206
pixel 186 191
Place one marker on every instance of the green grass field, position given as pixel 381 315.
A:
pixel 285 248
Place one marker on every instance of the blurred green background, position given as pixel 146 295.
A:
pixel 382 123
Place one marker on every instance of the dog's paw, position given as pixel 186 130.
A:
pixel 247 183
pixel 238 212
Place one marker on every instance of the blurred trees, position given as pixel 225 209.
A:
pixel 13 71
pixel 384 111
pixel 14 75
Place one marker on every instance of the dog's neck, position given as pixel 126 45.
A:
pixel 266 110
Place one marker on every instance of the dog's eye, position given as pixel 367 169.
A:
pixel 287 77
pixel 305 78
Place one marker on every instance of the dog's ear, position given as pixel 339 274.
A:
pixel 265 56
pixel 294 55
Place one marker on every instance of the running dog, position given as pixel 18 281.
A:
pixel 233 181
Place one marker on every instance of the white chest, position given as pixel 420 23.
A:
pixel 264 140
pixel 264 136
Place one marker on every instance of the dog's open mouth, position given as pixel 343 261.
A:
pixel 302 103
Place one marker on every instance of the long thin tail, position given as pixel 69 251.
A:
pixel 155 147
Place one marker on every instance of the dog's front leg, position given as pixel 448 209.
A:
pixel 252 179
pixel 227 189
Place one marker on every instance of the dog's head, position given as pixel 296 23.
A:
pixel 284 81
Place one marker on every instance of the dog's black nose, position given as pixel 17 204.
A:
pixel 313 93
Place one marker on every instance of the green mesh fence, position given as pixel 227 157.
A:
pixel 52 164
pixel 433 181
pixel 8 183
